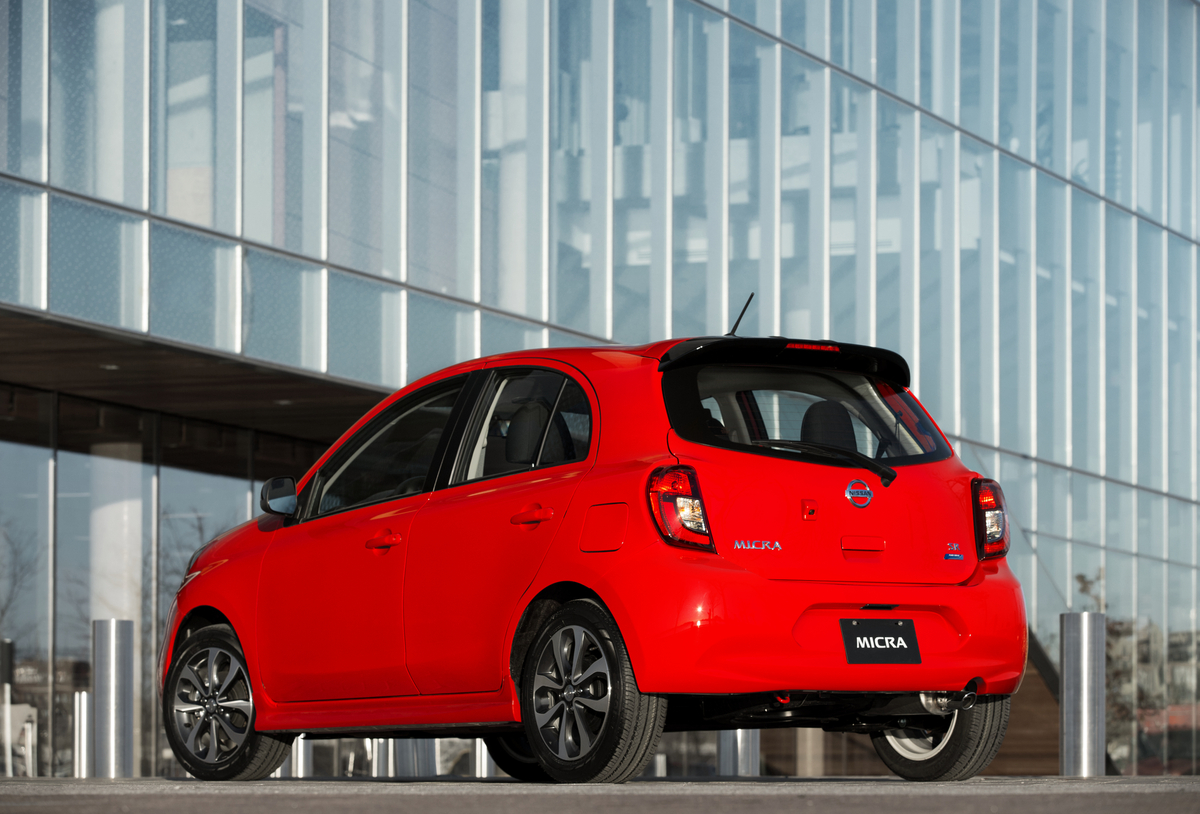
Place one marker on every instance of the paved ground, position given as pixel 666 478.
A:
pixel 1141 795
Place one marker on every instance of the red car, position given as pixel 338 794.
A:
pixel 569 551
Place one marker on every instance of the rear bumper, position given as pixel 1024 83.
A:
pixel 713 628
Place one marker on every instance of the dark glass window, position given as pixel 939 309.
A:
pixel 509 428
pixel 570 429
pixel 391 456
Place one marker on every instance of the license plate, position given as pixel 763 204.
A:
pixel 880 641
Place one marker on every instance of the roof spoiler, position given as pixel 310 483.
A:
pixel 777 350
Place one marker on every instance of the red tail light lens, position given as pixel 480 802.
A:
pixel 991 519
pixel 678 508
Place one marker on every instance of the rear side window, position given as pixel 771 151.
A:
pixel 782 410
pixel 391 456
pixel 526 418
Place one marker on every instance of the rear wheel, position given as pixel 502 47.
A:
pixel 960 748
pixel 585 719
pixel 511 753
pixel 208 711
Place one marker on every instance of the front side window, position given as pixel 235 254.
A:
pixel 526 418
pixel 797 411
pixel 391 456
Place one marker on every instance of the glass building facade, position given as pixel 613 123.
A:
pixel 1004 191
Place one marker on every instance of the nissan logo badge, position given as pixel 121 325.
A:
pixel 859 494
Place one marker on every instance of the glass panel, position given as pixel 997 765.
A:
pixel 631 170
pixel 973 72
pixel 1119 343
pixel 1052 55
pixel 1016 252
pixel 1087 509
pixel 1053 489
pixel 509 437
pixel 193 288
pixel 1119 101
pixel 571 153
pixel 1087 326
pixel 975 294
pixel 498 334
pixel 795 22
pixel 96 264
pixel 276 456
pixel 561 339
pixel 1052 589
pixel 1181 674
pixel 1087 104
pixel 391 456
pixel 359 41
pixel 510 279
pixel 1120 723
pixel 1087 566
pixel 893 190
pixel 364 329
pixel 1151 667
pixel 21 253
pixel 204 490
pixel 745 92
pixel 939 60
pixel 25 420
pixel 570 429
pixel 1179 116
pixel 1121 506
pixel 1052 289
pixel 1181 375
pixel 1181 531
pixel 1150 355
pixel 97 51
pixel 440 333
pixel 1151 38
pixel 193 112
pixel 22 114
pixel 1016 84
pixel 850 36
pixel 938 265
pixel 1151 533
pixel 103 534
pixel 1016 476
pixel 283 310
pixel 281 166
pixel 433 147
pixel 799 309
pixel 849 262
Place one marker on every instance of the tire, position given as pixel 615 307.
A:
pixel 212 734
pixel 962 750
pixel 511 753
pixel 585 719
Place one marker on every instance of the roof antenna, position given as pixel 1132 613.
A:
pixel 733 330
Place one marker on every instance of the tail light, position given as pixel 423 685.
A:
pixel 991 519
pixel 678 508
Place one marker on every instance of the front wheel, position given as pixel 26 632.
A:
pixel 585 719
pixel 208 711
pixel 959 748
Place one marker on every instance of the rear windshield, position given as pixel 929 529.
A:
pixel 778 410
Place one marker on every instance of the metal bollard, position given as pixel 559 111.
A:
pixel 112 683
pixel 302 756
pixel 30 749
pixel 83 734
pixel 415 757
pixel 6 680
pixel 1081 740
pixel 484 765
pixel 738 753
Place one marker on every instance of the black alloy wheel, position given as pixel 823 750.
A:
pixel 585 719
pixel 208 711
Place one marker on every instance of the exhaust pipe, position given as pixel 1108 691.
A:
pixel 946 703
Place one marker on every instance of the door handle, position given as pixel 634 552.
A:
pixel 385 539
pixel 537 515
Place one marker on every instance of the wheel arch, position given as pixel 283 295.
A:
pixel 199 617
pixel 539 609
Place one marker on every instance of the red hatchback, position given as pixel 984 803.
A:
pixel 570 551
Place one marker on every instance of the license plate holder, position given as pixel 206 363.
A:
pixel 880 641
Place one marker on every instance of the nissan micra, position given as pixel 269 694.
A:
pixel 570 551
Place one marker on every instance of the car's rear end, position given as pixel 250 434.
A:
pixel 845 568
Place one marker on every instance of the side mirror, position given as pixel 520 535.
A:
pixel 278 496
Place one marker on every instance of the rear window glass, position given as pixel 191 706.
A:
pixel 779 410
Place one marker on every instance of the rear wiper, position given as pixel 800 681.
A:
pixel 886 473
